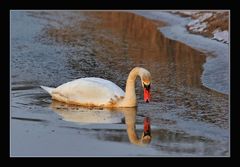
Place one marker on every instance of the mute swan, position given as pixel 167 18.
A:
pixel 100 92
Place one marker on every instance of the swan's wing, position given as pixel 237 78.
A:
pixel 116 89
pixel 94 91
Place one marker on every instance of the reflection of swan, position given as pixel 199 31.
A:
pixel 130 120
pixel 107 115
pixel 86 115
pixel 100 92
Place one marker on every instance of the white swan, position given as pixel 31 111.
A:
pixel 100 92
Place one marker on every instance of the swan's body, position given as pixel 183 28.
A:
pixel 88 92
pixel 100 92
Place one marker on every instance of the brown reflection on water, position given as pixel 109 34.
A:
pixel 139 40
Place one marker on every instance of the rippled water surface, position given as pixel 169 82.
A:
pixel 53 47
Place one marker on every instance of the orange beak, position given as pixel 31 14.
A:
pixel 147 95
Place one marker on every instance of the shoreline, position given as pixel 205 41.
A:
pixel 211 24
pixel 216 74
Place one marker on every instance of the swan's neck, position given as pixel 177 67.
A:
pixel 130 94
pixel 131 130
pixel 130 120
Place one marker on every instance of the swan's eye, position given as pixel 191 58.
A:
pixel 147 86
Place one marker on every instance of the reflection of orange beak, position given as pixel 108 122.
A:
pixel 147 127
pixel 146 95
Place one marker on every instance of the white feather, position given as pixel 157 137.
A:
pixel 48 89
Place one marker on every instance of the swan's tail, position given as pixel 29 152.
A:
pixel 48 89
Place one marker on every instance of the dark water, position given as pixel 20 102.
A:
pixel 53 47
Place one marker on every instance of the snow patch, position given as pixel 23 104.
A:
pixel 222 36
pixel 196 26
pixel 199 25
pixel 186 13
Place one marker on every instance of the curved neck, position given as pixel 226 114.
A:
pixel 130 94
pixel 130 120
pixel 131 130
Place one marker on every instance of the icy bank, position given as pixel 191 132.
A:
pixel 216 74
pixel 213 24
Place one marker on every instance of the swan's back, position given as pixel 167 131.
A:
pixel 88 91
pixel 116 89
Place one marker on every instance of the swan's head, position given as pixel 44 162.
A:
pixel 146 135
pixel 146 83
